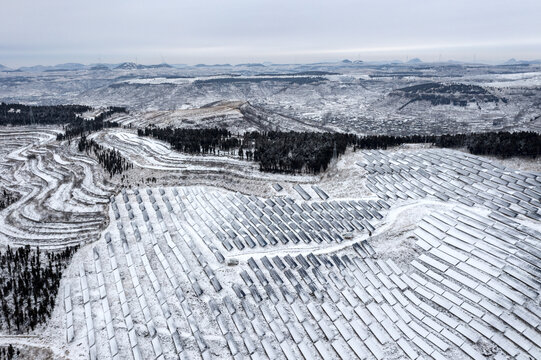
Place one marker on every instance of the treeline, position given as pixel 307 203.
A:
pixel 276 151
pixel 441 88
pixel 110 160
pixel 296 152
pixel 501 144
pixel 67 115
pixel 194 141
pixel 19 114
pixel 29 281
pixel 447 94
pixel 310 152
pixel 79 126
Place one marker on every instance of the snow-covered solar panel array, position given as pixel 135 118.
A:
pixel 447 174
pixel 241 222
pixel 159 285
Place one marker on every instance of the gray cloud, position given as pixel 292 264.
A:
pixel 259 30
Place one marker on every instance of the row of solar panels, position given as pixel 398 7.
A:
pixel 509 193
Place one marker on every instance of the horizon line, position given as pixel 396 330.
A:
pixel 409 61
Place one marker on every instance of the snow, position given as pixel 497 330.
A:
pixel 393 240
pixel 65 199
pixel 524 79
pixel 188 80
pixel 192 229
pixel 52 182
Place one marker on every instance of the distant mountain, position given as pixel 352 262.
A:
pixel 251 65
pixel 347 62
pixel 158 66
pixel 415 61
pixel 3 68
pixel 70 66
pixel 58 67
pixel 34 68
pixel 215 65
pixel 514 61
pixel 66 67
pixel 127 66
pixel 99 67
pixel 134 66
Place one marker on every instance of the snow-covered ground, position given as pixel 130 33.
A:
pixel 63 197
pixel 349 98
pixel 414 252
pixel 155 159
pixel 422 275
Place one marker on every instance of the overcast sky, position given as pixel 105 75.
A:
pixel 235 31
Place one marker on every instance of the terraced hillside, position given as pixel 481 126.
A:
pixel 62 194
pixel 425 269
pixel 155 159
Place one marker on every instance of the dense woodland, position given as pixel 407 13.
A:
pixel 500 144
pixel 67 115
pixel 311 152
pixel 296 152
pixel 19 114
pixel 80 126
pixel 276 151
pixel 111 160
pixel 448 94
pixel 29 281
pixel 194 141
